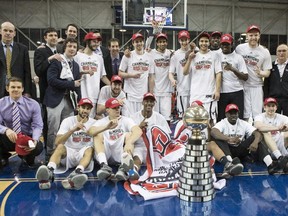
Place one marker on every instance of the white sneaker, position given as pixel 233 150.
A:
pixel 44 176
pixel 74 181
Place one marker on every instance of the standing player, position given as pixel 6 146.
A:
pixel 234 73
pixel 272 124
pixel 114 140
pixel 136 71
pixel 215 41
pixel 74 149
pixel 177 62
pixel 92 70
pixel 258 62
pixel 205 71
pixel 162 87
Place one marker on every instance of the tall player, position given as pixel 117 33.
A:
pixel 177 63
pixel 92 70
pixel 162 87
pixel 205 72
pixel 136 71
pixel 258 62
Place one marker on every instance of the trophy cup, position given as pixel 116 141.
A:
pixel 195 181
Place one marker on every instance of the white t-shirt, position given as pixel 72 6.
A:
pixel 111 136
pixel 242 129
pixel 177 64
pixel 90 85
pixel 136 88
pixel 230 82
pixel 203 70
pixel 253 57
pixel 80 138
pixel 161 61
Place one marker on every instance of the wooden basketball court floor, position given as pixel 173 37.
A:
pixel 253 193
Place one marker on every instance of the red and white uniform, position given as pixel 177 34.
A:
pixel 114 138
pixel 230 82
pixel 163 88
pixel 177 63
pixel 136 88
pixel 253 93
pixel 76 144
pixel 277 136
pixel 90 85
pixel 105 94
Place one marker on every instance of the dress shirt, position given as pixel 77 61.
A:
pixel 30 115
pixel 281 67
pixel 4 47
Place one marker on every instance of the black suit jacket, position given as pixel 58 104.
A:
pixel 41 65
pixel 57 87
pixel 20 67
pixel 107 63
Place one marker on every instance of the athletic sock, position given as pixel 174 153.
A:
pixel 268 160
pixel 223 160
pixel 101 157
pixel 51 165
pixel 276 154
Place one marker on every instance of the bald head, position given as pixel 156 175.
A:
pixel 8 32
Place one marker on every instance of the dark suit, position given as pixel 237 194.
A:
pixel 57 87
pixel 41 65
pixel 20 67
pixel 277 87
pixel 107 63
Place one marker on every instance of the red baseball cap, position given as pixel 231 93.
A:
pixel 226 38
pixel 230 107
pixel 112 103
pixel 149 95
pixel 253 27
pixel 137 35
pixel 161 35
pixel 270 100
pixel 85 101
pixel 92 36
pixel 204 34
pixel 116 78
pixel 197 103
pixel 21 143
pixel 216 33
pixel 183 33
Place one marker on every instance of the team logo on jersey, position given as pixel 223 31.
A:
pixel 115 134
pixel 251 60
pixel 89 66
pixel 163 62
pixel 81 137
pixel 202 65
pixel 183 62
pixel 140 66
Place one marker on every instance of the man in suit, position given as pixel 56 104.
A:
pixel 63 81
pixel 116 56
pixel 16 63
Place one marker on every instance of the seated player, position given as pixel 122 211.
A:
pixel 74 148
pixel 114 138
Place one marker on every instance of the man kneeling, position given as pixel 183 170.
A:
pixel 74 149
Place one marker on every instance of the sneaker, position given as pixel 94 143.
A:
pixel 232 169
pixel 283 163
pixel 44 176
pixel 277 165
pixel 105 172
pixel 274 167
pixel 127 164
pixel 121 174
pixel 74 181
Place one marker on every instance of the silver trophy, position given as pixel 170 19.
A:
pixel 195 181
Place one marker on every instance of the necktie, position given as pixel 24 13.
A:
pixel 16 123
pixel 55 52
pixel 8 61
pixel 70 65
pixel 115 66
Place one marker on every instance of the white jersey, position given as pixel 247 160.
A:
pixel 112 136
pixel 276 135
pixel 177 64
pixel 242 129
pixel 155 119
pixel 90 85
pixel 161 61
pixel 80 138
pixel 230 82
pixel 203 70
pixel 136 88
pixel 254 57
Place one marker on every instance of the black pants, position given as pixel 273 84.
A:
pixel 228 98
pixel 241 151
pixel 6 145
pixel 282 106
